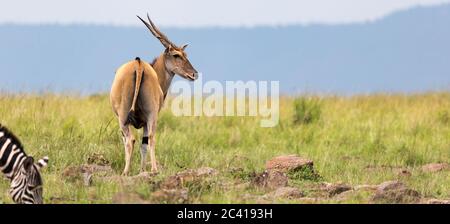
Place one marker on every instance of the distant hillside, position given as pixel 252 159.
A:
pixel 407 51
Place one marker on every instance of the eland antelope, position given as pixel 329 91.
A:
pixel 139 90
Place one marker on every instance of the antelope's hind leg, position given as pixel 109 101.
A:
pixel 144 147
pixel 128 141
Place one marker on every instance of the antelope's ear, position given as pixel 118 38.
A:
pixel 42 163
pixel 184 46
pixel 28 163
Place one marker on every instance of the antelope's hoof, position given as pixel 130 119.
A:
pixel 125 173
pixel 154 172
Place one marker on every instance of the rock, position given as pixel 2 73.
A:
pixel 435 167
pixel 270 179
pixel 128 198
pixel 191 175
pixel 390 185
pixel 179 196
pixel 345 195
pixel 334 189
pixel 126 181
pixel 397 196
pixel 437 201
pixel 171 182
pixel 237 186
pixel 366 187
pixel 395 192
pixel 242 186
pixel 84 173
pixel 87 179
pixel 285 192
pixel 98 159
pixel 288 163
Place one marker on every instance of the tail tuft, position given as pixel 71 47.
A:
pixel 42 162
pixel 134 120
pixel 138 59
pixel 131 118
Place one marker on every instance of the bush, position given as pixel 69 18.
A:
pixel 443 117
pixel 307 110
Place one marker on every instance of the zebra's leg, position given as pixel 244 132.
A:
pixel 128 141
pixel 144 148
pixel 152 139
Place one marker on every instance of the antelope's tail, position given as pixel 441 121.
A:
pixel 139 72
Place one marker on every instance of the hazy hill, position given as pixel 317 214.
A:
pixel 407 51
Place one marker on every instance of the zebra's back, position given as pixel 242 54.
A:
pixel 11 152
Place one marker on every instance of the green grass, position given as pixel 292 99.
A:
pixel 343 135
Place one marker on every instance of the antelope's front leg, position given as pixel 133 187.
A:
pixel 152 139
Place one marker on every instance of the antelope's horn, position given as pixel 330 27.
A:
pixel 157 33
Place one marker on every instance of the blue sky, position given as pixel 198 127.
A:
pixel 201 13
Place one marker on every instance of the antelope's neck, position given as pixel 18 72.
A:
pixel 164 76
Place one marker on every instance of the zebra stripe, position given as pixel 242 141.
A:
pixel 20 169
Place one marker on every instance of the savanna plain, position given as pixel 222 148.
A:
pixel 356 144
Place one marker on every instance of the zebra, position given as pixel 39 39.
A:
pixel 20 169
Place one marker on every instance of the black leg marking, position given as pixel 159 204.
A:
pixel 145 140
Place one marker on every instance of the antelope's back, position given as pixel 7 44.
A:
pixel 122 90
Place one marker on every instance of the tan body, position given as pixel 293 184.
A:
pixel 148 103
pixel 138 92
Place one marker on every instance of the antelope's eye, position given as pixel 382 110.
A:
pixel 176 56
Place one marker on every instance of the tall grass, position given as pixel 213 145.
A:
pixel 355 140
pixel 307 110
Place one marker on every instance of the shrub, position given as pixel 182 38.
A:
pixel 443 117
pixel 307 110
